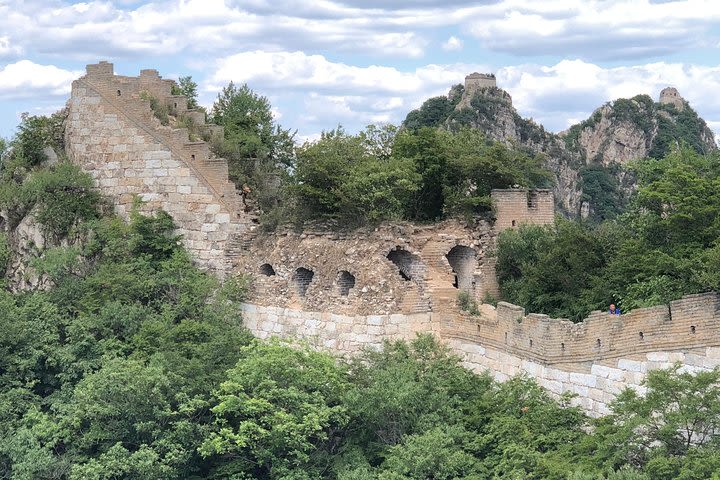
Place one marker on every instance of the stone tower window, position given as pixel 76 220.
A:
pixel 462 260
pixel 409 266
pixel 267 270
pixel 301 280
pixel 346 281
pixel 119 93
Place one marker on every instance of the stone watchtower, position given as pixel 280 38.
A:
pixel 476 81
pixel 113 134
pixel 670 96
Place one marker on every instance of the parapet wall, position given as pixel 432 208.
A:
pixel 113 134
pixel 561 356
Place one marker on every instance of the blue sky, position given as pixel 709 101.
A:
pixel 354 62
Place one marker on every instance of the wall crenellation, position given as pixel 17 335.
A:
pixel 113 133
pixel 686 323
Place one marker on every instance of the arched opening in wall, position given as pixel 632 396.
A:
pixel 267 270
pixel 532 199
pixel 514 223
pixel 345 281
pixel 409 266
pixel 463 261
pixel 192 157
pixel 301 280
pixel 119 93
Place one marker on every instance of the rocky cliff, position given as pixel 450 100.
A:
pixel 588 160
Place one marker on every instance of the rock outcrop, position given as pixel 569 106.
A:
pixel 615 134
pixel 490 110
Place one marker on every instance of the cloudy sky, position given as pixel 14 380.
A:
pixel 355 62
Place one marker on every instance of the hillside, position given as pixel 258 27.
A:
pixel 589 160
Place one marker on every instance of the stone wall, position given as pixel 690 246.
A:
pixel 594 359
pixel 113 134
pixel 397 268
pixel 514 207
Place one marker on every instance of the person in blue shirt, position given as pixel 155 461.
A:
pixel 614 310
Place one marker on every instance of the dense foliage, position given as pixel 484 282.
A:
pixel 259 151
pixel 421 175
pixel 665 245
pixel 135 364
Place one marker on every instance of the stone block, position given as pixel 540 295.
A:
pixel 657 356
pixel 601 371
pixel 631 365
pixel 375 330
pixel 583 379
pixel 713 352
pixel 222 218
pixel 375 320
pixel 557 374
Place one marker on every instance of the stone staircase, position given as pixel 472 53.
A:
pixel 213 172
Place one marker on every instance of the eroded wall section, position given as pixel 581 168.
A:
pixel 398 268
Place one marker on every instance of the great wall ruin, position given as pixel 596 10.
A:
pixel 347 291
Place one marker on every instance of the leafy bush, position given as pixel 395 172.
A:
pixel 64 196
pixel 467 303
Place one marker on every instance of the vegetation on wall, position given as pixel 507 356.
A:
pixel 259 151
pixel 664 246
pixel 135 364
pixel 420 175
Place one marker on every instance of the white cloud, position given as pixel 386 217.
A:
pixel 574 88
pixel 452 44
pixel 600 29
pixel 592 29
pixel 333 93
pixel 300 71
pixel 25 79
pixel 7 48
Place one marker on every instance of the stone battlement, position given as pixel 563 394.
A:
pixel 690 322
pixel 113 133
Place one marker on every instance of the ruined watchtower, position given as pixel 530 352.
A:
pixel 515 206
pixel 670 96
pixel 476 81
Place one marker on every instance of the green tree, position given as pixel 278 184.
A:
pixel 427 151
pixel 277 413
pixel 433 113
pixel 259 151
pixel 186 86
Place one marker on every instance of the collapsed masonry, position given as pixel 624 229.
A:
pixel 349 291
